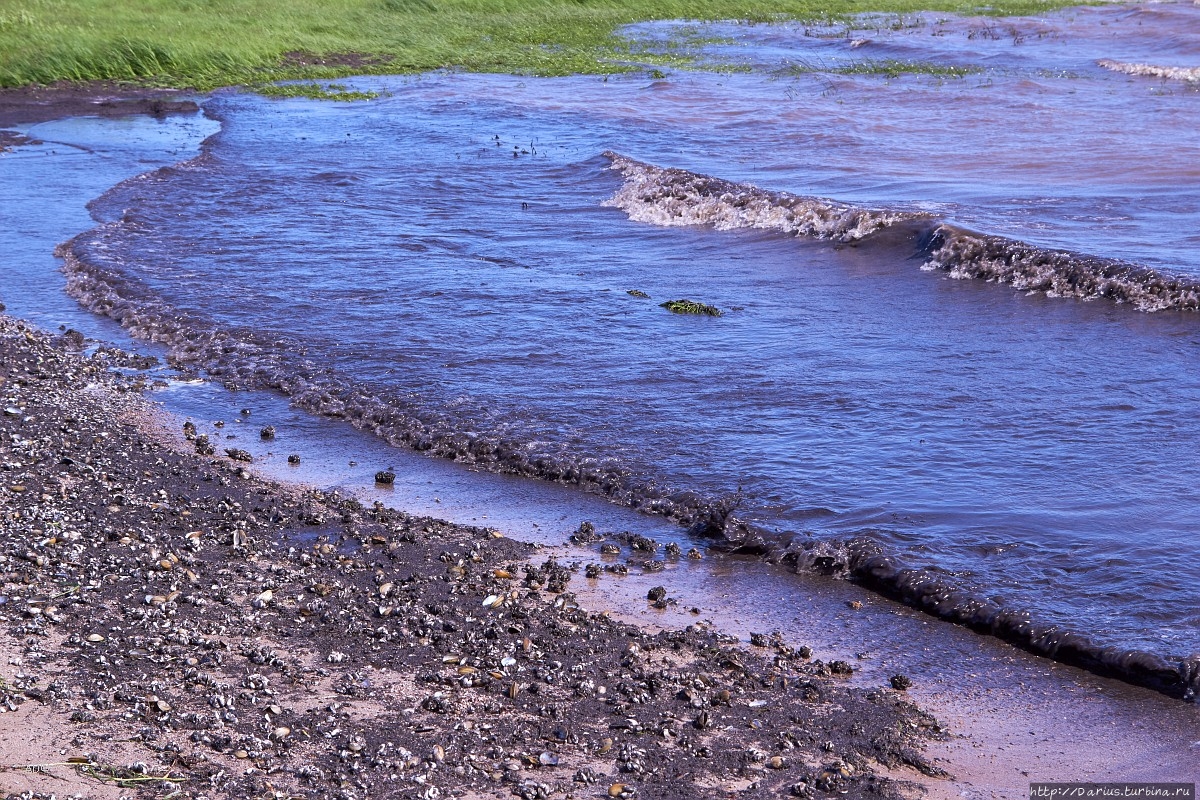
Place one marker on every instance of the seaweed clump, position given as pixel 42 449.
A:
pixel 315 91
pixel 690 307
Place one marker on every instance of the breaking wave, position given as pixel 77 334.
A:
pixel 670 197
pixel 1188 74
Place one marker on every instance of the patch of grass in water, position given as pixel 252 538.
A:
pixel 890 68
pixel 314 91
pixel 893 69
pixel 686 306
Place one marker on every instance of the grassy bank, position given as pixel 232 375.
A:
pixel 208 43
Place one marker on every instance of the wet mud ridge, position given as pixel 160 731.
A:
pixel 192 629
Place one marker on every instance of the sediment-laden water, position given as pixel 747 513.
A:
pixel 957 260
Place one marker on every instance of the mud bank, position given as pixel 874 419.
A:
pixel 39 103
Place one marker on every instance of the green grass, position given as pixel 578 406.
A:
pixel 208 43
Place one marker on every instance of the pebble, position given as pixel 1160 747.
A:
pixel 531 648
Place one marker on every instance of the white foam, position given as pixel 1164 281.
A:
pixel 1189 74
pixel 673 197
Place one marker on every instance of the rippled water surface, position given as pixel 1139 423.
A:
pixel 448 261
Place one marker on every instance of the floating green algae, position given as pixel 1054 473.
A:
pixel 686 306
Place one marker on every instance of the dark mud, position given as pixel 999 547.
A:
pixel 249 640
pixel 40 103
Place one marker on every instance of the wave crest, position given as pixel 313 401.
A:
pixel 1187 74
pixel 670 197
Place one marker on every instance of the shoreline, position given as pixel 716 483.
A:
pixel 120 297
pixel 186 609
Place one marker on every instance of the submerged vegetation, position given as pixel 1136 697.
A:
pixel 314 91
pixel 890 68
pixel 203 44
pixel 691 307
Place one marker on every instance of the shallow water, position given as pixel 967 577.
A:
pixel 445 264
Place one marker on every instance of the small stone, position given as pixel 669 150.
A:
pixel 656 593
pixel 241 754
pixel 163 706
pixel 263 599
pixel 267 433
pixel 901 682
pixel 238 454
pixel 95 637
pixel 294 458
pixel 775 762
pixel 386 477
pixel 281 733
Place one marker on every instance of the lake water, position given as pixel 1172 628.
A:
pixel 958 262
